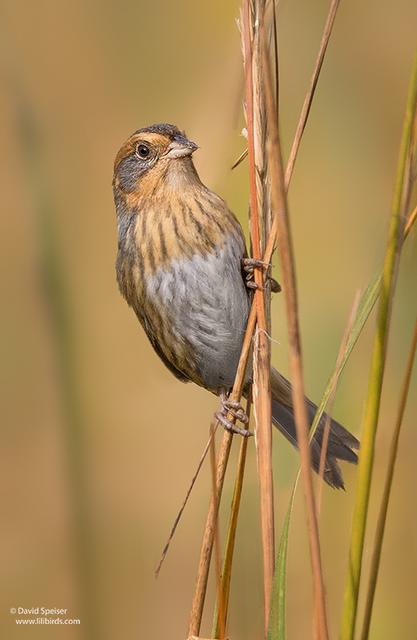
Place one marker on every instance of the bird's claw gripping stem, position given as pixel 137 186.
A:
pixel 237 411
pixel 249 265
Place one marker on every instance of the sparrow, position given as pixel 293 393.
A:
pixel 181 267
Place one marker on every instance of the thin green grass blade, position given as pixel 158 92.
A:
pixel 382 518
pixel 376 376
pixel 366 304
pixel 277 628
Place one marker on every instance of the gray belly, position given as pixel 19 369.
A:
pixel 207 304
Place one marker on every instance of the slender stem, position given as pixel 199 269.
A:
pixel 184 503
pixel 208 537
pixel 372 406
pixel 310 94
pixel 266 258
pixel 305 111
pixel 286 253
pixel 205 554
pixel 261 354
pixel 276 54
pixel 216 539
pixel 231 535
pixel 329 409
pixel 410 221
pixel 382 518
pixel 223 457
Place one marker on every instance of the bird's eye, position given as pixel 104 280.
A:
pixel 143 151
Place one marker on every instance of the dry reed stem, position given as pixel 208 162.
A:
pixel 278 195
pixel 231 533
pixel 205 553
pixel 216 540
pixel 239 159
pixel 313 84
pixel 380 528
pixel 184 503
pixel 410 221
pixel 302 121
pixel 261 354
pixel 323 451
pixel 305 111
pixel 276 54
pixel 208 536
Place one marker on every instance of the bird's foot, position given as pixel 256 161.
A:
pixel 236 410
pixel 249 265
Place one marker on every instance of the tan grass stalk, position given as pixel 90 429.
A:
pixel 382 518
pixel 310 94
pixel 249 332
pixel 410 221
pixel 367 302
pixel 231 535
pixel 205 553
pixel 216 539
pixel 208 536
pixel 251 15
pixel 305 111
pixel 184 503
pixel 279 202
pixel 276 54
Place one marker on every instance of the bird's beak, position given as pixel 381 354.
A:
pixel 180 147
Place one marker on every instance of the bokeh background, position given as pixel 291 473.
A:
pixel 98 440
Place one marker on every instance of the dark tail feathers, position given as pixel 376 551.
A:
pixel 340 444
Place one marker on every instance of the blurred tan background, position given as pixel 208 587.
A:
pixel 99 441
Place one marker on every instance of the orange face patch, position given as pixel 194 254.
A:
pixel 157 141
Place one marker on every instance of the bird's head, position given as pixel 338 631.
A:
pixel 153 157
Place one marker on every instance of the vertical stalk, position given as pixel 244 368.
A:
pixel 313 84
pixel 373 400
pixel 286 253
pixel 205 554
pixel 220 616
pixel 380 529
pixel 222 460
pixel 255 116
